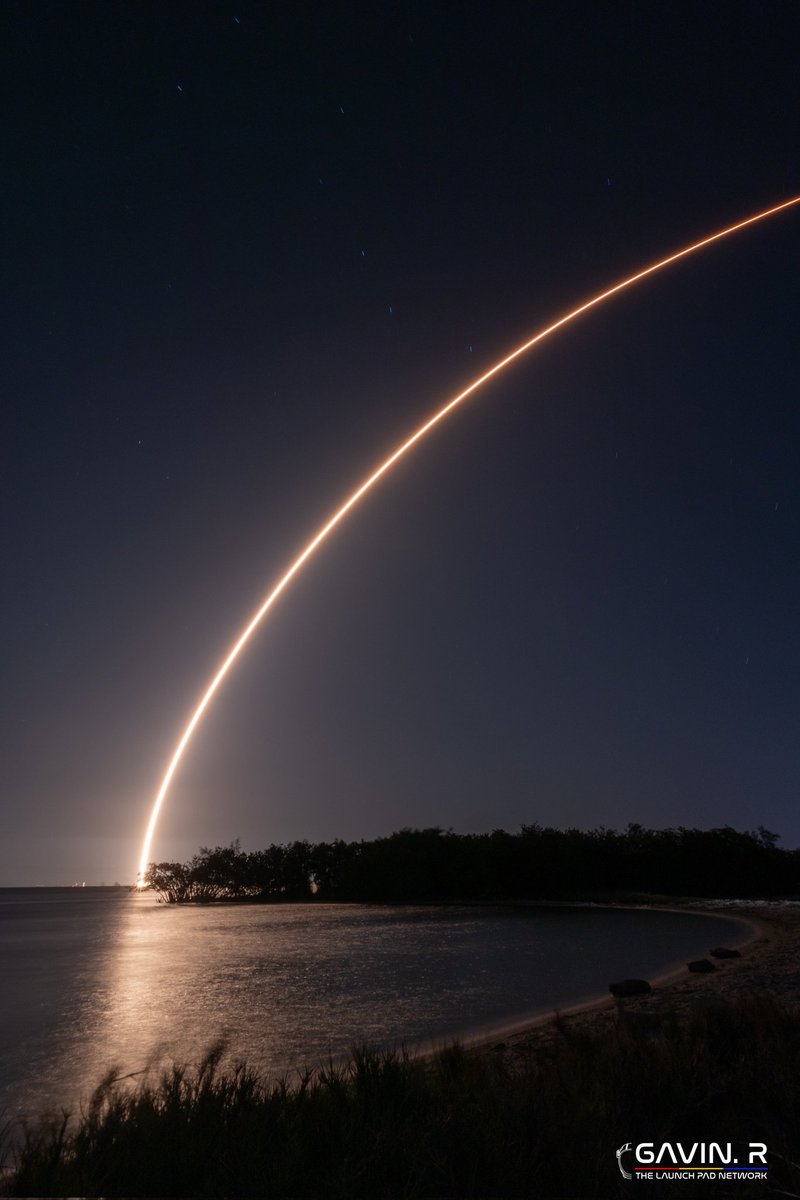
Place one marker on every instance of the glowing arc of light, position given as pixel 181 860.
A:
pixel 386 465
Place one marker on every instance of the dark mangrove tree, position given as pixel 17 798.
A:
pixel 537 863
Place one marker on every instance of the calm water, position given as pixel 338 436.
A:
pixel 96 978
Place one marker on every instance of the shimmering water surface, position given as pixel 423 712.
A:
pixel 97 978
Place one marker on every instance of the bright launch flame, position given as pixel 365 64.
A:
pixel 385 466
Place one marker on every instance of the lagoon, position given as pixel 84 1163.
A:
pixel 96 979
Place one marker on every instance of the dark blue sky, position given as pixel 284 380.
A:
pixel 249 246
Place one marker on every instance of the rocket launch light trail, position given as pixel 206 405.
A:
pixel 353 499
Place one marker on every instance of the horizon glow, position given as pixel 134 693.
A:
pixel 353 499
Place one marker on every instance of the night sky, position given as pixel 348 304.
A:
pixel 249 246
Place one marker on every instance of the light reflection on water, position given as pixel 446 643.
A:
pixel 95 979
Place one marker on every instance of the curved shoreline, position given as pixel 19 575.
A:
pixel 493 1034
pixel 769 962
pixel 543 1024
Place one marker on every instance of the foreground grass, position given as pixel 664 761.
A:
pixel 459 1125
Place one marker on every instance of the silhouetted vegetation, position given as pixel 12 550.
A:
pixel 436 866
pixel 460 1125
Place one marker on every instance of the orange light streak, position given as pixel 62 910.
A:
pixel 386 466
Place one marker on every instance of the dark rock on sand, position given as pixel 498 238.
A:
pixel 629 987
pixel 701 966
pixel 724 952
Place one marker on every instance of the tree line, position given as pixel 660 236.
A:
pixel 537 863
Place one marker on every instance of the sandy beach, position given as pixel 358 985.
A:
pixel 769 964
